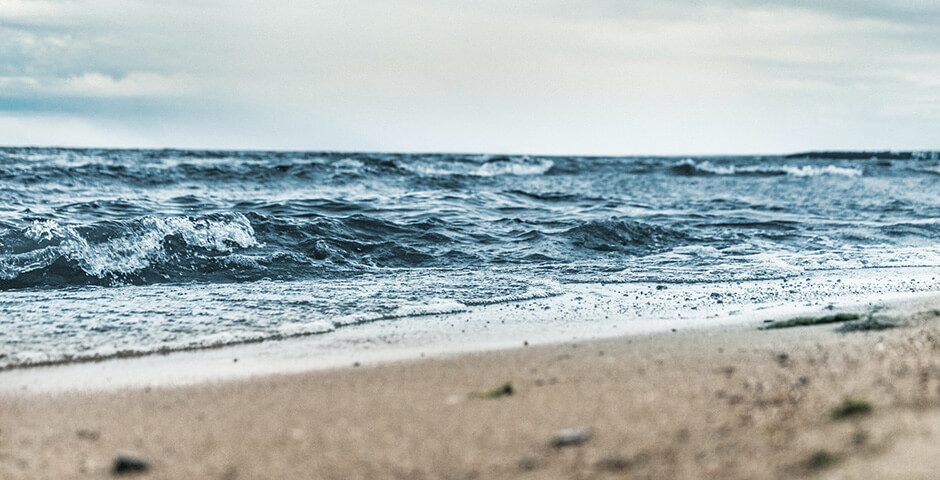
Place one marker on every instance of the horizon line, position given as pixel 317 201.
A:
pixel 479 153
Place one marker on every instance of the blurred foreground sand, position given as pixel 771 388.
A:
pixel 736 403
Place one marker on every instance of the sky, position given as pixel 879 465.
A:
pixel 607 77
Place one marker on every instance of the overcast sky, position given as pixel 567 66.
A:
pixel 521 76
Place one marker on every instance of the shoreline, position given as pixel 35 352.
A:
pixel 350 348
pixel 713 403
pixel 585 312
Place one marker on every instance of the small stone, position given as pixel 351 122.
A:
pixel 85 434
pixel 128 463
pixel 530 463
pixel 571 437
pixel 613 464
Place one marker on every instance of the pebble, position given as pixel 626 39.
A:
pixel 571 437
pixel 128 463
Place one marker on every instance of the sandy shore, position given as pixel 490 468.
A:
pixel 732 403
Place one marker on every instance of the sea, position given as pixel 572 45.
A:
pixel 115 253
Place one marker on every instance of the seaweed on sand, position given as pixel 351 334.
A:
pixel 871 323
pixel 851 408
pixel 503 391
pixel 821 459
pixel 805 321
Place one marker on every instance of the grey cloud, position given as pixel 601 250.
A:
pixel 913 12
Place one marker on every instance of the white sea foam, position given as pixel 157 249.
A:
pixel 434 306
pixel 348 164
pixel 13 265
pixel 813 171
pixel 306 328
pixel 515 166
pixel 703 251
pixel 46 230
pixel 709 168
pixel 135 250
pixel 547 289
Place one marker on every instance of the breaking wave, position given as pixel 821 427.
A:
pixel 479 167
pixel 690 167
pixel 48 253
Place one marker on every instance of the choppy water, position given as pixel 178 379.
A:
pixel 108 251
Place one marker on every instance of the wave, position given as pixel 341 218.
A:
pixel 30 359
pixel 690 167
pixel 221 247
pixel 863 155
pixel 485 167
pixel 244 322
pixel 159 169
pixel 929 170
pixel 47 253
pixel 237 247
pixel 557 197
pixel 924 229
pixel 626 236
pixel 432 306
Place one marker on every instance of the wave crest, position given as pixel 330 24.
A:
pixel 625 236
pixel 48 253
pixel 488 167
pixel 689 167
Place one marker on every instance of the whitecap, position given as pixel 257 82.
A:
pixel 139 247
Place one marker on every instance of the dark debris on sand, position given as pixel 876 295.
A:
pixel 128 464
pixel 503 391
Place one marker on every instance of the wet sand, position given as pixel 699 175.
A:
pixel 722 403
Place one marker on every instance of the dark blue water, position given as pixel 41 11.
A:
pixel 283 242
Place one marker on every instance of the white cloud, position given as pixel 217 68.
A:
pixel 549 75
pixel 134 84
pixel 27 9
pixel 98 85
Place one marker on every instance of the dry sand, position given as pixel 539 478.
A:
pixel 701 404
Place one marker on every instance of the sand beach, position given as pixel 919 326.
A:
pixel 733 402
